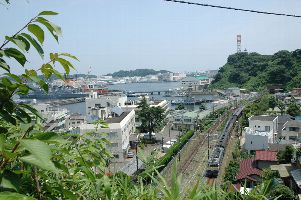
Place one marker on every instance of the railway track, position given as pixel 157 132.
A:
pixel 195 165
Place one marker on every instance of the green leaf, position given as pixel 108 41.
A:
pixel 17 42
pixel 16 54
pixel 47 13
pixel 31 109
pixel 52 28
pixel 27 44
pixel 66 64
pixel 15 77
pixel 4 66
pixel 2 139
pixel 37 31
pixel 40 154
pixel 57 74
pixel 10 180
pixel 36 45
pixel 46 69
pixel 14 196
pixel 68 55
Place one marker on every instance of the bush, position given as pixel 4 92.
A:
pixel 285 192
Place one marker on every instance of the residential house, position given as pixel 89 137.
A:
pixel 262 130
pixel 250 170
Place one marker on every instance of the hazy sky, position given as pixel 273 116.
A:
pixel 110 35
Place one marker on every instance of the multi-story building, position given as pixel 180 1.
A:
pixel 262 130
pixel 107 100
pixel 118 132
pixel 291 132
pixel 195 84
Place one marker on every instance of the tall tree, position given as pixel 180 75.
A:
pixel 272 102
pixel 152 118
pixel 293 108
pixel 281 106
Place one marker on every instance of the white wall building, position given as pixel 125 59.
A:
pixel 74 121
pixel 262 130
pixel 109 101
pixel 118 133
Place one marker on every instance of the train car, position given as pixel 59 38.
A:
pixel 214 162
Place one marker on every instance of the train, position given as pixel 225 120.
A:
pixel 217 155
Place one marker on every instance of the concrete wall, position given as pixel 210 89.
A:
pixel 255 142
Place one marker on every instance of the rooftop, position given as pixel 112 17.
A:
pixel 201 77
pixel 283 169
pixel 266 155
pixel 246 169
pixel 296 174
pixel 117 119
pixel 263 117
pixel 292 123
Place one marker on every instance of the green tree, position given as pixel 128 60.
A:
pixel 202 107
pixel 281 106
pixel 268 174
pixel 293 108
pixel 180 107
pixel 282 192
pixel 272 102
pixel 286 155
pixel 152 118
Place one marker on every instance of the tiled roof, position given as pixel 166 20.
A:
pixel 246 169
pixel 266 155
pixel 263 117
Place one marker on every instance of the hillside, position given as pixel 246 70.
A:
pixel 254 71
pixel 137 72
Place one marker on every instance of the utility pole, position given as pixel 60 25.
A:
pixel 208 145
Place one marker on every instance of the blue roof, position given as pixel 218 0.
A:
pixel 201 77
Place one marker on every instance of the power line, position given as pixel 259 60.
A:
pixel 235 9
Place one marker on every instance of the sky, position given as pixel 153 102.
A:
pixel 112 35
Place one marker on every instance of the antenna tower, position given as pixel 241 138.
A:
pixel 238 43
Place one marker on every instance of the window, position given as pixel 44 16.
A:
pixel 258 126
pixel 187 120
pixel 251 142
pixel 267 128
pixel 73 122
pixel 97 105
pixel 177 120
pixel 292 138
pixel 116 155
pixel 296 129
pixel 78 122
pixel 112 134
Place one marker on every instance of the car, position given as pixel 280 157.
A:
pixel 130 154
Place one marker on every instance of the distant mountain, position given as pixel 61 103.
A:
pixel 254 71
pixel 137 72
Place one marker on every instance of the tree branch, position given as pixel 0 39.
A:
pixel 6 41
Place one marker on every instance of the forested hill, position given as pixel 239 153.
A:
pixel 137 72
pixel 254 71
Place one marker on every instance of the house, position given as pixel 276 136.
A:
pixel 262 130
pixel 291 132
pixel 118 132
pixel 282 119
pixel 235 92
pixel 195 84
pixel 250 170
pixel 248 173
pixel 264 159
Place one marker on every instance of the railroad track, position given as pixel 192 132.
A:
pixel 196 164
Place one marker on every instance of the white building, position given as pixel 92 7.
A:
pixel 195 84
pixel 106 100
pixel 235 92
pixel 118 133
pixel 262 130
pixel 54 117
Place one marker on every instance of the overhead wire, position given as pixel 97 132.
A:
pixel 235 9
